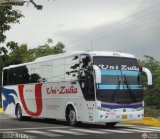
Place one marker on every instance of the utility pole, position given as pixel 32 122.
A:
pixel 91 45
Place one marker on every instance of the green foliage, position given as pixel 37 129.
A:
pixel 17 55
pixel 22 54
pixel 152 94
pixel 151 111
pixel 43 50
pixel 9 15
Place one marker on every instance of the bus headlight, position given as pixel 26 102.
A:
pixel 139 109
pixel 103 109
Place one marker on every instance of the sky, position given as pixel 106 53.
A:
pixel 131 26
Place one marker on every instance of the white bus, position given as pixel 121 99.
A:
pixel 96 86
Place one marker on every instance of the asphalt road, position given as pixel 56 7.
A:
pixel 10 128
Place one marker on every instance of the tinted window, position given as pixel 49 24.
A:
pixel 58 70
pixel 47 71
pixel 71 68
pixel 5 77
pixel 35 73
pixel 112 80
pixel 22 75
pixel 19 75
pixel 120 96
pixel 117 74
pixel 86 78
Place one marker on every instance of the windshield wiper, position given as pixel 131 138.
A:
pixel 128 88
pixel 117 88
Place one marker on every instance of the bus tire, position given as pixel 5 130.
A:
pixel 110 125
pixel 71 116
pixel 19 113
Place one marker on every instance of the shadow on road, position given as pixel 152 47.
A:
pixel 64 123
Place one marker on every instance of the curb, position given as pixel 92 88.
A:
pixel 148 121
pixel 1 110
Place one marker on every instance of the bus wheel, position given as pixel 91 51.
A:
pixel 110 125
pixel 71 116
pixel 19 113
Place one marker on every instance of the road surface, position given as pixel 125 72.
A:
pixel 49 129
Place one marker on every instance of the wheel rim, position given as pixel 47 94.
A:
pixel 72 116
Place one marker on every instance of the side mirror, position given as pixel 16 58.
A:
pixel 149 75
pixel 97 73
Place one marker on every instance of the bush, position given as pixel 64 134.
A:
pixel 151 112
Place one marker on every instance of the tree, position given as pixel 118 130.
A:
pixel 152 94
pixel 9 15
pixel 17 55
pixel 59 48
pixel 43 50
pixel 22 54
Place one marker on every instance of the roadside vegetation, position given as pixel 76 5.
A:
pixel 152 93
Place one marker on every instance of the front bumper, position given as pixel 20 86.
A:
pixel 118 116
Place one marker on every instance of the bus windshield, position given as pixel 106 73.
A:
pixel 120 80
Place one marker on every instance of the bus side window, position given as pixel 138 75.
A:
pixel 58 70
pixel 47 71
pixel 11 78
pixel 89 87
pixel 71 68
pixel 86 78
pixel 35 73
pixel 5 77
pixel 26 74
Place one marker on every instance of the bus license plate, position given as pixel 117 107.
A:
pixel 124 116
